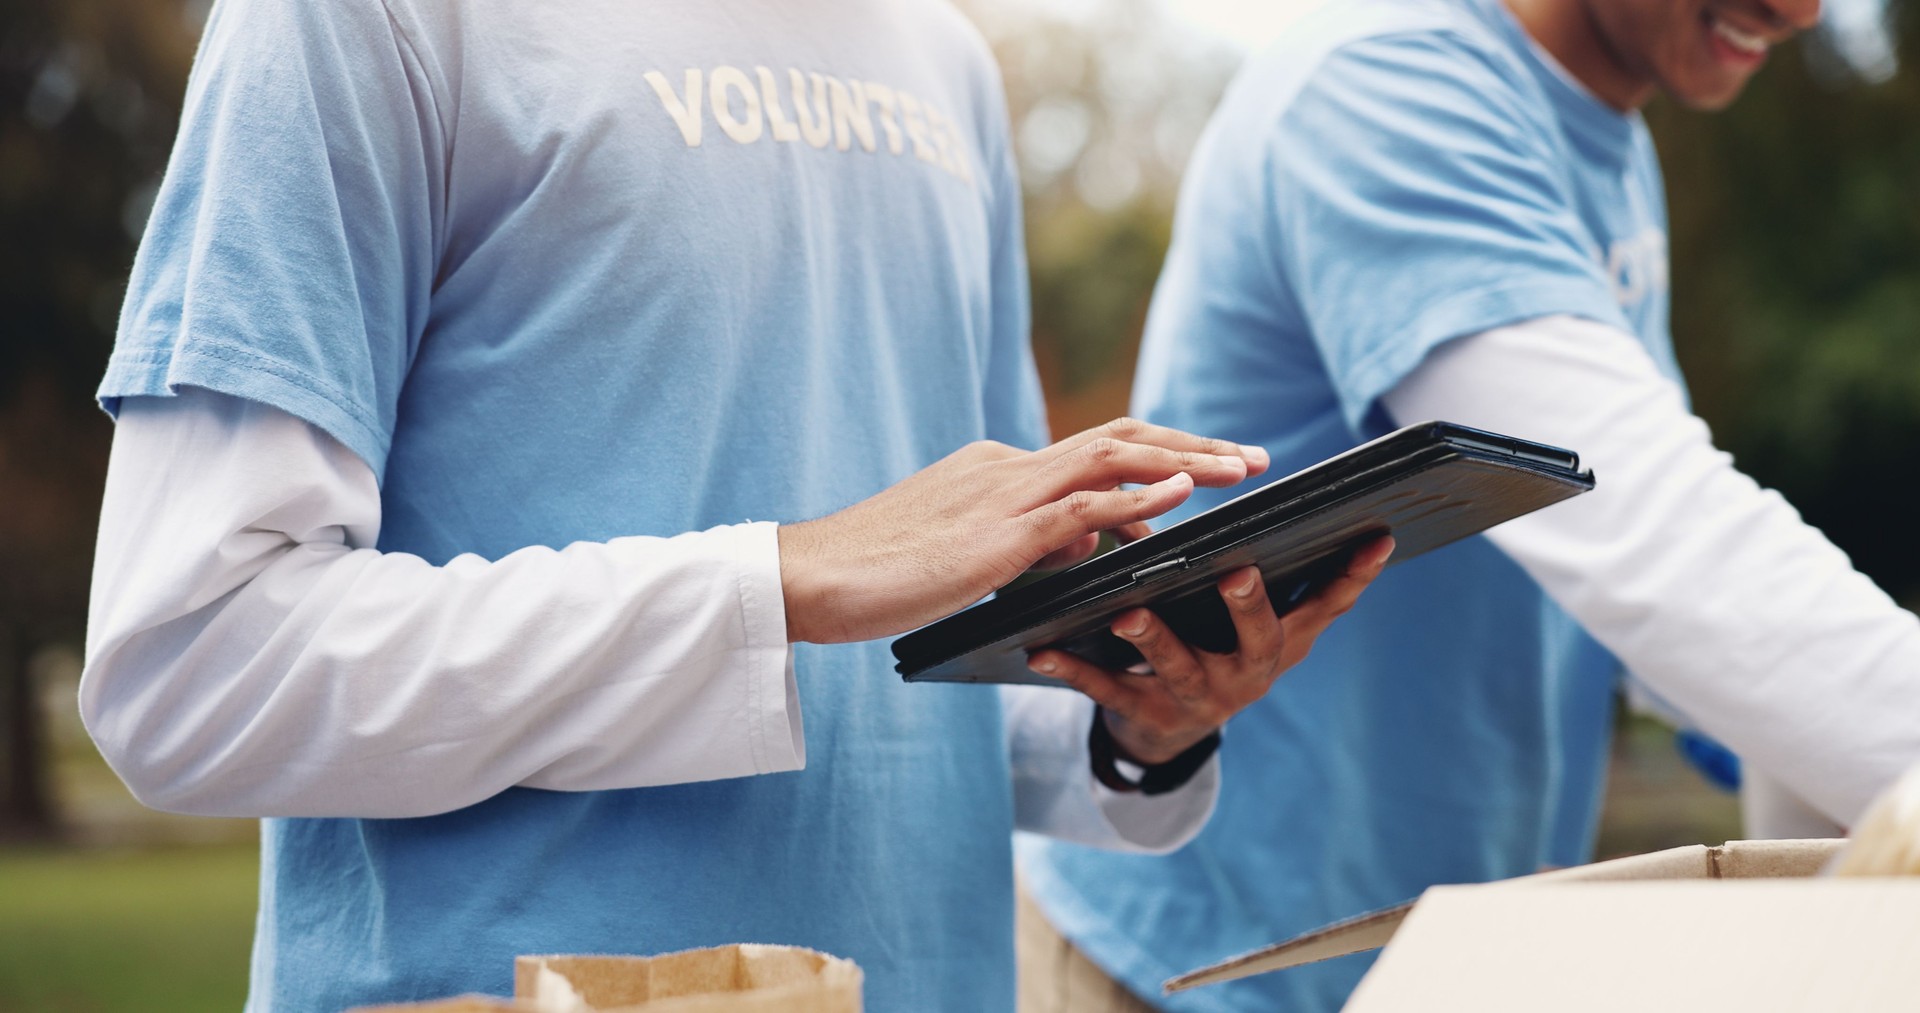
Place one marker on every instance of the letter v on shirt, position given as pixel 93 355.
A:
pixel 833 111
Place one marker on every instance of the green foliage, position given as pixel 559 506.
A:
pixel 1092 274
pixel 1105 111
pixel 150 931
pixel 89 94
pixel 1796 252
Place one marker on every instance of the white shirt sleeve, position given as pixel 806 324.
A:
pixel 250 654
pixel 1056 794
pixel 1769 812
pixel 1707 587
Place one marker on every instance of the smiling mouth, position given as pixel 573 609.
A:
pixel 1743 43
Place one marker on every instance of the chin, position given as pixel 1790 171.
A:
pixel 1705 102
pixel 1706 96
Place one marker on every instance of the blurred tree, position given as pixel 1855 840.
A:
pixel 1106 109
pixel 89 96
pixel 1796 253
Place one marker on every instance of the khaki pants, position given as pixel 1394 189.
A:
pixel 1055 977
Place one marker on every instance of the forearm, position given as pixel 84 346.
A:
pixel 249 655
pixel 1709 588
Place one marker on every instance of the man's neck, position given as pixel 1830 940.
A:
pixel 1565 28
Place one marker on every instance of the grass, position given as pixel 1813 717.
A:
pixel 152 931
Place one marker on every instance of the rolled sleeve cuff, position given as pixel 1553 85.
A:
pixel 1157 824
pixel 1057 794
pixel 776 737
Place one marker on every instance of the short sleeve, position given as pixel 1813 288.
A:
pixel 1420 194
pixel 291 250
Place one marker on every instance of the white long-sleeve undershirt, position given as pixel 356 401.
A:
pixel 249 653
pixel 1709 589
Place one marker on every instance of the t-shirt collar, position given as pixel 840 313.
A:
pixel 1600 130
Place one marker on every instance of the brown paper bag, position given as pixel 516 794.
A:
pixel 745 978
pixel 725 979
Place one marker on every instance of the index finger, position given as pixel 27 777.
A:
pixel 1133 430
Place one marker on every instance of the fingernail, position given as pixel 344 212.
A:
pixel 1132 626
pixel 1178 479
pixel 1045 666
pixel 1253 454
pixel 1244 589
pixel 1233 462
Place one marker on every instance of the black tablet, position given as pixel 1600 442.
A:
pixel 1427 485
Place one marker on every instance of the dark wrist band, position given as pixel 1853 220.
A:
pixel 1155 778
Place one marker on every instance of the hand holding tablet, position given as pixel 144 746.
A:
pixel 1426 485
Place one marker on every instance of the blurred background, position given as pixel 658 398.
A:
pixel 1796 279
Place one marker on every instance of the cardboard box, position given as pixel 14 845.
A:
pixel 1650 932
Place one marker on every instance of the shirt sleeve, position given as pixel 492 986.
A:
pixel 293 243
pixel 1056 794
pixel 1769 812
pixel 1709 588
pixel 1418 197
pixel 248 654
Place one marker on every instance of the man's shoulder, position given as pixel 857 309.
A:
pixel 945 31
pixel 1329 26
pixel 1394 56
pixel 1409 38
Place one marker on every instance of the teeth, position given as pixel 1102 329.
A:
pixel 1752 45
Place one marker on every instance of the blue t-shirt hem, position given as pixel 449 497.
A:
pixel 237 371
pixel 1468 313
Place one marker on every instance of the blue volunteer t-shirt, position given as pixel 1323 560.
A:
pixel 1392 175
pixel 566 272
